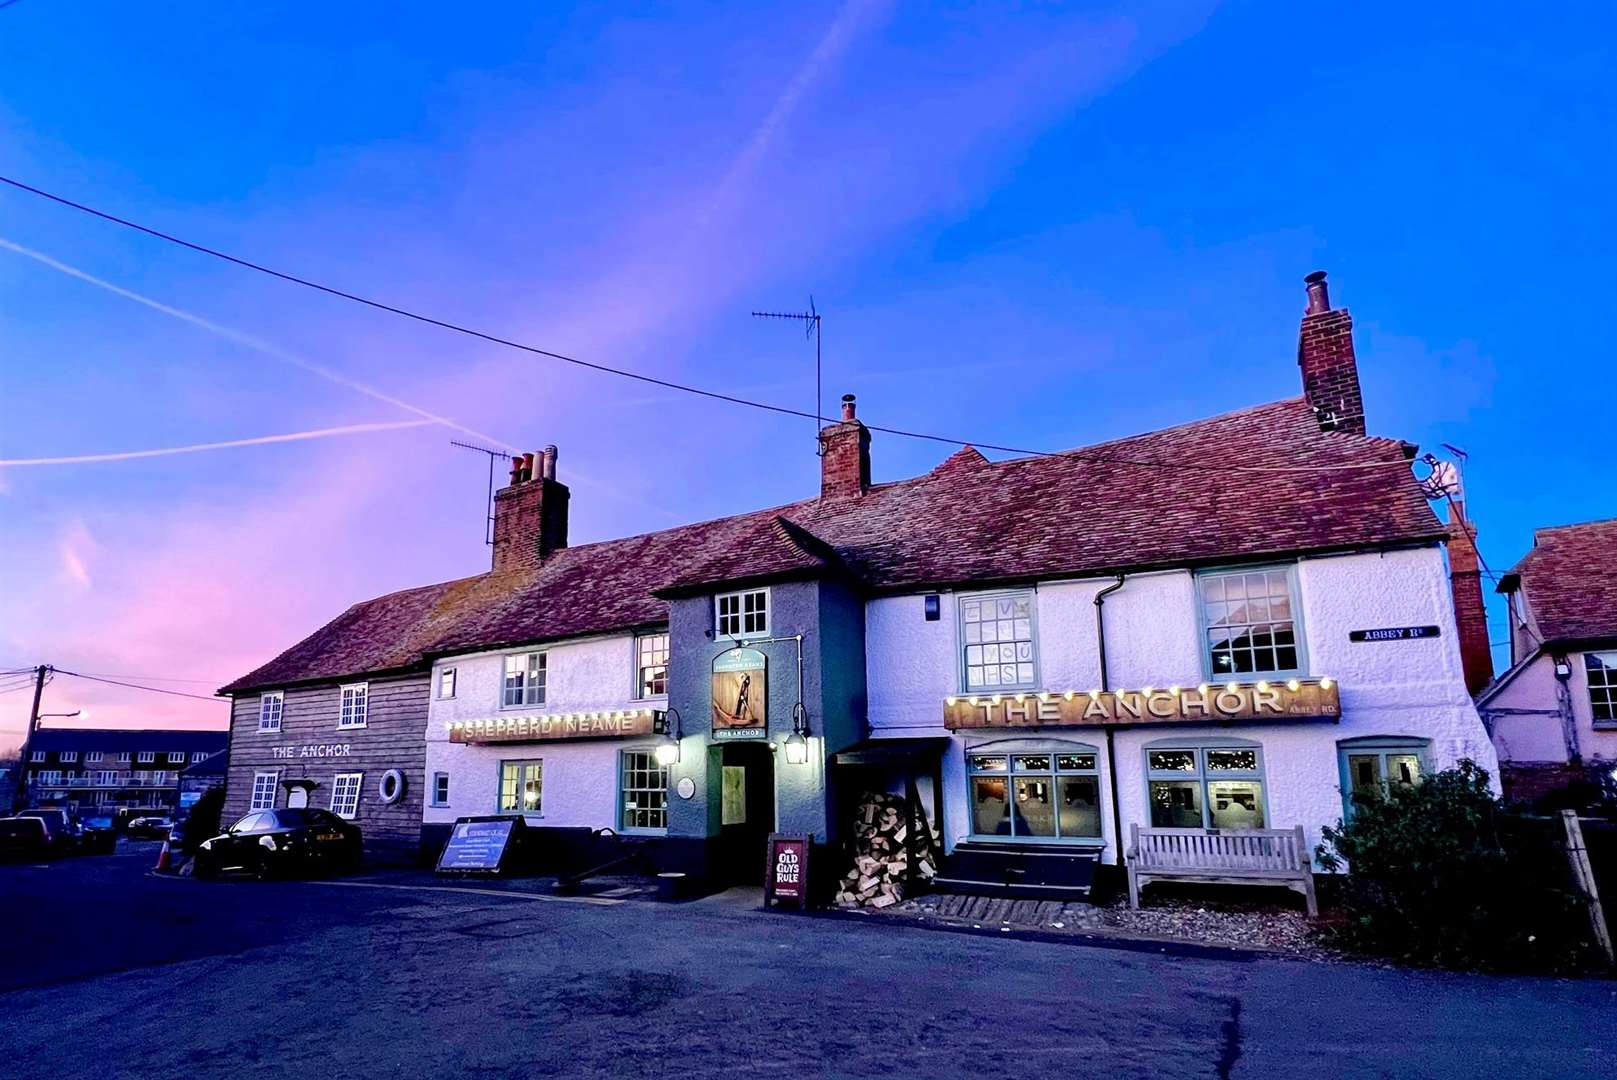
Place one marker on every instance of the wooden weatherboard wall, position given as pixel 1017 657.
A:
pixel 311 745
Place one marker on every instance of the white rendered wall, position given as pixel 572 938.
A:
pixel 1412 688
pixel 580 785
pixel 1539 738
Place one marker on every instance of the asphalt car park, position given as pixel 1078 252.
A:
pixel 396 973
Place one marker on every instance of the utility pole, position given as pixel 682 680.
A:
pixel 19 798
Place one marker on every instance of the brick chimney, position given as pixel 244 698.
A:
pixel 845 456
pixel 530 514
pixel 1330 370
pixel 1470 616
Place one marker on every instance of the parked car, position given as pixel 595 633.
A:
pixel 276 843
pixel 66 830
pixel 150 828
pixel 26 838
pixel 98 837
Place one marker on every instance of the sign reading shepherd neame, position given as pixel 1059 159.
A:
pixel 1292 700
pixel 590 725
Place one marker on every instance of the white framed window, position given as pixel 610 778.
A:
pixel 270 707
pixel 106 778
pixel 446 682
pixel 651 665
pixel 264 785
pixel 742 614
pixel 200 755
pixel 146 757
pixel 1371 767
pixel 123 758
pixel 159 778
pixel 355 702
pixel 524 683
pixel 1250 622
pixel 642 791
pixel 1601 669
pixel 92 756
pixel 440 789
pixel 140 776
pixel 36 755
pixel 345 794
pixel 50 776
pixel 1216 784
pixel 68 757
pixel 1047 793
pixel 998 640
pixel 522 787
pixel 176 757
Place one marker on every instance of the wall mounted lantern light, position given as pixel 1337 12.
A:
pixel 667 751
pixel 797 741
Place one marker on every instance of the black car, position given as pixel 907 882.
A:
pixel 275 843
pixel 66 831
pixel 150 828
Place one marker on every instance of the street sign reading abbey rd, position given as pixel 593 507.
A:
pixel 1311 700
pixel 1395 633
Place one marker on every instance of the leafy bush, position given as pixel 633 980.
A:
pixel 1441 872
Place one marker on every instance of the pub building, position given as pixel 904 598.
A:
pixel 1181 629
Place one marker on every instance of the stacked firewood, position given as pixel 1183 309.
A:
pixel 888 852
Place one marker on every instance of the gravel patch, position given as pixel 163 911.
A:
pixel 1236 923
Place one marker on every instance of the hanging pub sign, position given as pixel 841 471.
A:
pixel 1396 633
pixel 740 695
pixel 1294 699
pixel 786 873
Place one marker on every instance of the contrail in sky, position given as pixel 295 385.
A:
pixel 260 440
pixel 610 491
pixel 250 342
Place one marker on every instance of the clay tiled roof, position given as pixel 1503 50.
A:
pixel 968 521
pixel 1570 579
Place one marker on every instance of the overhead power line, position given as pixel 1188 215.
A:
pixel 652 380
pixel 138 686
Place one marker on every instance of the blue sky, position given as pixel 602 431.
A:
pixel 1032 224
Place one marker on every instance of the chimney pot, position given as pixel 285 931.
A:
pixel 530 516
pixel 516 469
pixel 848 406
pixel 1319 297
pixel 527 467
pixel 548 461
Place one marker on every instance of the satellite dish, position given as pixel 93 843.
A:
pixel 1442 481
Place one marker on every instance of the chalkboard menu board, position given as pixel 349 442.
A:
pixel 479 845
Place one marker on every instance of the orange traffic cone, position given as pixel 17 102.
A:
pixel 163 861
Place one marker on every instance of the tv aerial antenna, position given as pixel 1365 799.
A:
pixel 811 329
pixel 488 523
pixel 1446 480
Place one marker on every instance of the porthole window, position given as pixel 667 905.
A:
pixel 390 789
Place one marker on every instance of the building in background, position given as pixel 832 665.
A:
pixel 103 769
pixel 1553 714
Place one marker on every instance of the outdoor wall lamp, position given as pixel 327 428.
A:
pixel 667 751
pixel 797 741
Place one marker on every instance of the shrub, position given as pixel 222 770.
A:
pixel 1442 873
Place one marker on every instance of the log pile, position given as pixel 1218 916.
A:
pixel 889 853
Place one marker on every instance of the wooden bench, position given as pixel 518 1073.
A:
pixel 1222 857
